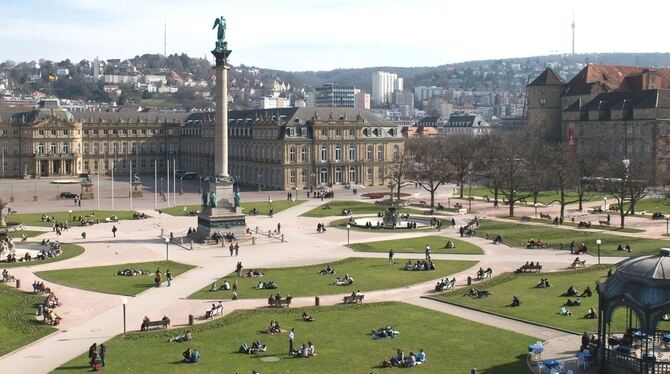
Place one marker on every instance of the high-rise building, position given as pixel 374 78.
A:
pixel 404 103
pixel 422 93
pixel 362 100
pixel 383 85
pixel 335 95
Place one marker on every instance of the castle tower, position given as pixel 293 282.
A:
pixel 543 113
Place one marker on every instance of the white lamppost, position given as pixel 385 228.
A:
pixel 70 211
pixel 599 242
pixel 167 249
pixel 535 205
pixel 348 228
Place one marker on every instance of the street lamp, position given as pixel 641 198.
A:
pixel 124 302
pixel 599 242
pixel 70 211
pixel 270 201
pixel 605 208
pixel 167 249
pixel 667 222
pixel 535 205
pixel 348 228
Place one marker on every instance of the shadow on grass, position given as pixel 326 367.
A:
pixel 74 367
pixel 518 366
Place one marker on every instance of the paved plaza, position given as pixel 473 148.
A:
pixel 90 317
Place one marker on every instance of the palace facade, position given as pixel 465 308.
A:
pixel 272 149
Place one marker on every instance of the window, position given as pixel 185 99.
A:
pixel 396 152
pixel 338 153
pixel 324 153
pixel 53 132
pixel 292 177
pixel 124 148
pixel 291 154
pixel 352 133
pixel 543 101
pixel 324 133
pixel 65 148
pixel 370 153
pixel 95 131
pixel 52 148
pixel 41 132
pixel 338 132
pixel 303 176
pixel 352 175
pixel 323 176
pixel 381 175
pixel 86 150
pixel 40 148
pixel 115 132
pixel 338 175
pixel 352 153
pixel 303 154
pixel 95 148
pixel 86 165
pixel 133 148
pixel 380 152
pixel 369 174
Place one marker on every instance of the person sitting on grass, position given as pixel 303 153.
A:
pixel 576 302
pixel 327 271
pixel 591 314
pixel 564 312
pixel 257 347
pixel 185 337
pixel 449 244
pixel 311 350
pixel 306 317
pixel 421 357
pixel 587 292
pixel 386 363
pixel 225 286
pixel 572 291
pixel 516 302
pixel 398 359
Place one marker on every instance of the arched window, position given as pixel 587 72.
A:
pixel 324 153
pixel 40 148
pixel 338 175
pixel 352 152
pixel 323 176
pixel 352 175
pixel 338 153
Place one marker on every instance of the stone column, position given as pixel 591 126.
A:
pixel 221 122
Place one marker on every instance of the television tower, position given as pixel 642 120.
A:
pixel 573 34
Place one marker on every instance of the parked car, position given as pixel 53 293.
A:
pixel 68 195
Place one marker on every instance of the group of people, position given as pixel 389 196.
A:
pixel 320 228
pixel 274 328
pixel 253 274
pixel 96 356
pixel 347 280
pixel 572 291
pixel 532 244
pixel 582 248
pixel 584 224
pixel 481 273
pixel 399 360
pixel 6 277
pixel 327 271
pixel 419 265
pixel 39 287
pixel 384 332
pixel 132 272
pixel 217 237
pixel 146 321
pixel 267 285
pixel 256 347
pixel 346 212
pixel 51 301
pixel 468 231
pixel 477 293
pixel 543 283
pixel 191 356
pixel 442 284
pixel 322 194
pixel 234 249
pixel 529 266
pixel 627 248
pixel 305 351
pixel 185 337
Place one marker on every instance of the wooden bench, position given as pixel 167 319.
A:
pixel 274 303
pixel 485 275
pixel 161 323
pixel 530 269
pixel 218 311
pixel 525 219
pixel 578 264
pixel 604 223
pixel 356 299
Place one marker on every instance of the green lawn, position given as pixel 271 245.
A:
pixel 69 251
pixel 539 305
pixel 18 325
pixel 35 219
pixel 544 197
pixel 418 245
pixel 262 207
pixel 341 335
pixel 342 224
pixel 104 278
pixel 357 207
pixel 517 234
pixel 27 233
pixel 369 274
pixel 652 206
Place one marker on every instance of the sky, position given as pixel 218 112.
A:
pixel 298 35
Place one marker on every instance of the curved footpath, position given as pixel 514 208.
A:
pixel 90 317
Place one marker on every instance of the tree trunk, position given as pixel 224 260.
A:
pixel 462 183
pixel 622 214
pixel 399 186
pixel 562 196
pixel 432 198
pixel 495 197
pixel 511 208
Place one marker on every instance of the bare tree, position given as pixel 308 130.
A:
pixel 511 170
pixel 627 181
pixel 563 175
pixel 461 156
pixel 486 162
pixel 396 173
pixel 428 167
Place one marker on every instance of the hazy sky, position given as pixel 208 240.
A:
pixel 328 34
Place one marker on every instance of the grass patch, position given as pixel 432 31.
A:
pixel 35 219
pixel 539 305
pixel 357 207
pixel 69 251
pixel 544 197
pixel 369 274
pixel 575 225
pixel 27 233
pixel 18 326
pixel 262 207
pixel 517 234
pixel 651 206
pixel 104 278
pixel 337 332
pixel 417 245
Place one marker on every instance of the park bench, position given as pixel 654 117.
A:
pixel 604 223
pixel 160 323
pixel 578 264
pixel 353 299
pixel 529 269
pixel 486 274
pixel 525 219
pixel 279 303
pixel 217 311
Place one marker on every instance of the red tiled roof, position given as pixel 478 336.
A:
pixel 614 77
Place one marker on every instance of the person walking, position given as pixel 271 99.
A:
pixel 237 249
pixel 291 340
pixel 278 228
pixel 428 249
pixel 391 253
pixel 231 249
pixel 238 268
pixel 102 354
pixel 168 277
pixel 158 278
pixel 114 230
pixel 235 286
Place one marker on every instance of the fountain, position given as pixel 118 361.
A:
pixel 6 243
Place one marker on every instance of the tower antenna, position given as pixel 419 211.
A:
pixel 573 33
